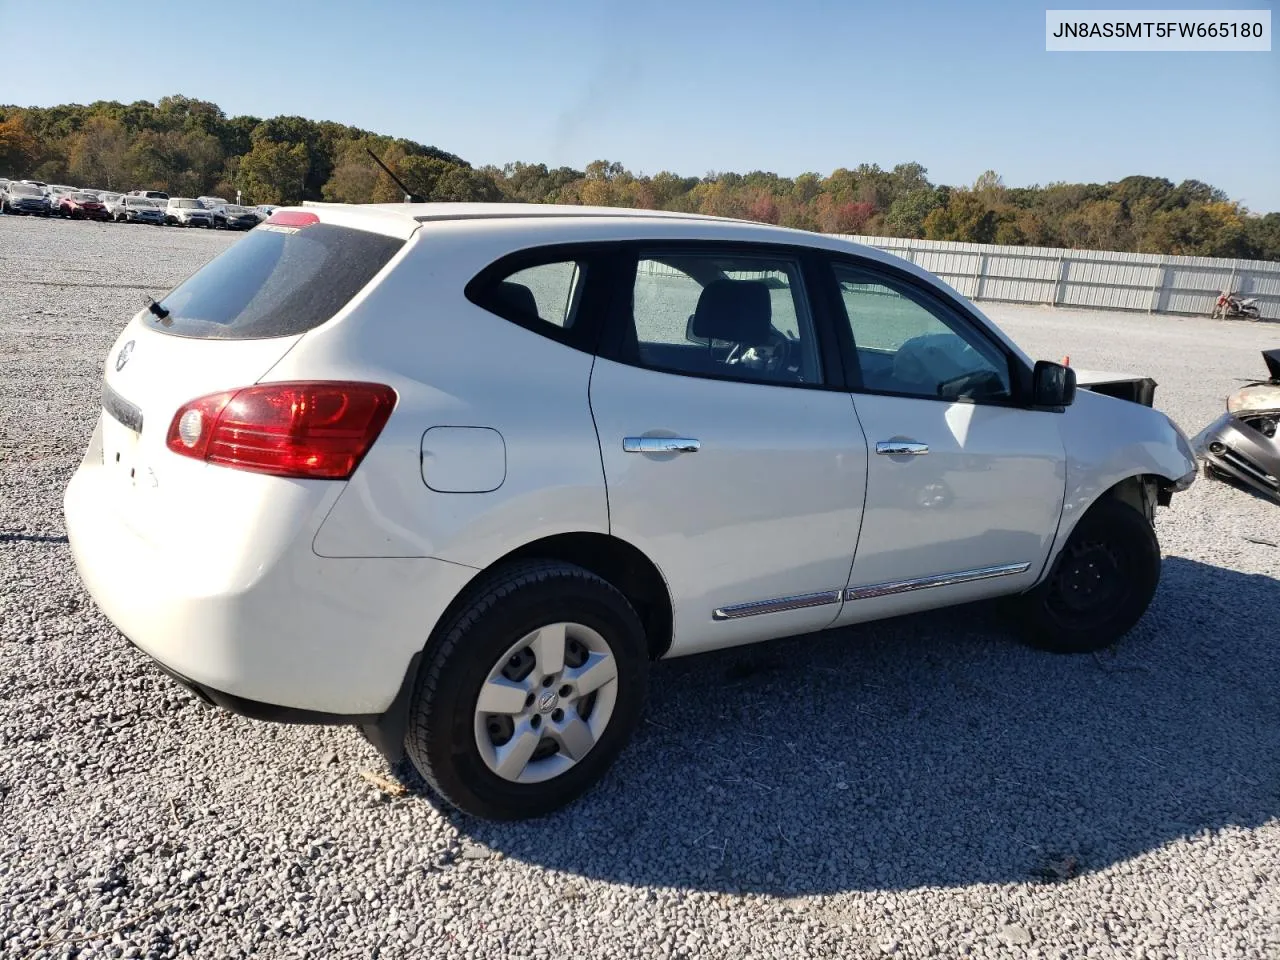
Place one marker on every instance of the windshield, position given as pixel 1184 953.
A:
pixel 186 204
pixel 234 210
pixel 85 197
pixel 138 202
pixel 275 283
pixel 24 190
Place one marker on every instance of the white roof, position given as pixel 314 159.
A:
pixel 475 211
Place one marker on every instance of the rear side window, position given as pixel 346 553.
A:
pixel 276 282
pixel 546 293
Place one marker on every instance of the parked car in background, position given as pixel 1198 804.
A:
pixel 263 210
pixel 137 210
pixel 213 203
pixel 149 194
pixel 621 436
pixel 108 198
pixel 187 212
pixel 55 192
pixel 232 216
pixel 83 205
pixel 24 198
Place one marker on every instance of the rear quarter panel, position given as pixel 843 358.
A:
pixel 456 365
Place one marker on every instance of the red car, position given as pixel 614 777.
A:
pixel 82 206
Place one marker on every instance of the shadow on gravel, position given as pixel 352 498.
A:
pixel 32 538
pixel 936 751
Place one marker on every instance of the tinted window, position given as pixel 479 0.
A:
pixel 275 282
pixel 908 344
pixel 547 292
pixel 723 315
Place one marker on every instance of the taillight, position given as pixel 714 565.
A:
pixel 317 430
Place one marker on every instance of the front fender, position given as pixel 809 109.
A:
pixel 1108 440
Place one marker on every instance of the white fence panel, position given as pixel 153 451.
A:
pixel 1099 279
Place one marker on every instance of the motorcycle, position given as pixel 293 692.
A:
pixel 1230 305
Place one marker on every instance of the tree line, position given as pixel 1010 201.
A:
pixel 190 147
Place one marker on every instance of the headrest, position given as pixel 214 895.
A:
pixel 737 311
pixel 930 359
pixel 517 297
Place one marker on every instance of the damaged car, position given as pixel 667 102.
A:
pixel 1241 445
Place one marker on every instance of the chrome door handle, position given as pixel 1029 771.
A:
pixel 901 448
pixel 660 445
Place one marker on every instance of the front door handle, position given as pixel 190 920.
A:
pixel 660 445
pixel 901 448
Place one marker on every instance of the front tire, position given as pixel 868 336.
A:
pixel 1100 584
pixel 528 692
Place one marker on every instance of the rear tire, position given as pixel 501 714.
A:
pixel 508 628
pixel 1100 585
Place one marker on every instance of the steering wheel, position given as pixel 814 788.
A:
pixel 981 382
pixel 780 348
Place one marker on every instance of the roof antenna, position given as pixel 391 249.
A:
pixel 408 197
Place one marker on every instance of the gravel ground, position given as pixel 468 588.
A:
pixel 919 788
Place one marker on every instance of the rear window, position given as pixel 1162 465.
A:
pixel 275 283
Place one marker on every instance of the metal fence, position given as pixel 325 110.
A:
pixel 1144 282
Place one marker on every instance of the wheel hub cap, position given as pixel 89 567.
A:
pixel 546 703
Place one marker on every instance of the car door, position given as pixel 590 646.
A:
pixel 732 454
pixel 965 483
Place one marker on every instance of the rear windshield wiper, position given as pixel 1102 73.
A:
pixel 155 308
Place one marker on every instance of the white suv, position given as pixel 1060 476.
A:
pixel 457 473
pixel 185 212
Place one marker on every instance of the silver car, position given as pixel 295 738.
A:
pixel 129 209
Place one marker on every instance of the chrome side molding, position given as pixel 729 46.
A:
pixel 938 580
pixel 781 604
pixel 805 600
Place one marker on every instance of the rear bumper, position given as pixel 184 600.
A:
pixel 244 611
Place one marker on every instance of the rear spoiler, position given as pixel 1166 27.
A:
pixel 1122 386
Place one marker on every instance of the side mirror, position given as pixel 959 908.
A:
pixel 1053 385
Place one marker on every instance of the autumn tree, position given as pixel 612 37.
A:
pixel 98 153
pixel 18 148
pixel 274 172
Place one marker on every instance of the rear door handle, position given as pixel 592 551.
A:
pixel 660 445
pixel 901 448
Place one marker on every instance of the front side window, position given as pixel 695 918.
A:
pixel 730 315
pixel 905 343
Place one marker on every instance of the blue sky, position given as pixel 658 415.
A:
pixel 689 86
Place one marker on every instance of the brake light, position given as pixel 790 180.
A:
pixel 293 218
pixel 311 430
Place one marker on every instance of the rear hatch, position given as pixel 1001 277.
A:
pixel 223 329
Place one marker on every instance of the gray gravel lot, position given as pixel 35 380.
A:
pixel 919 788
